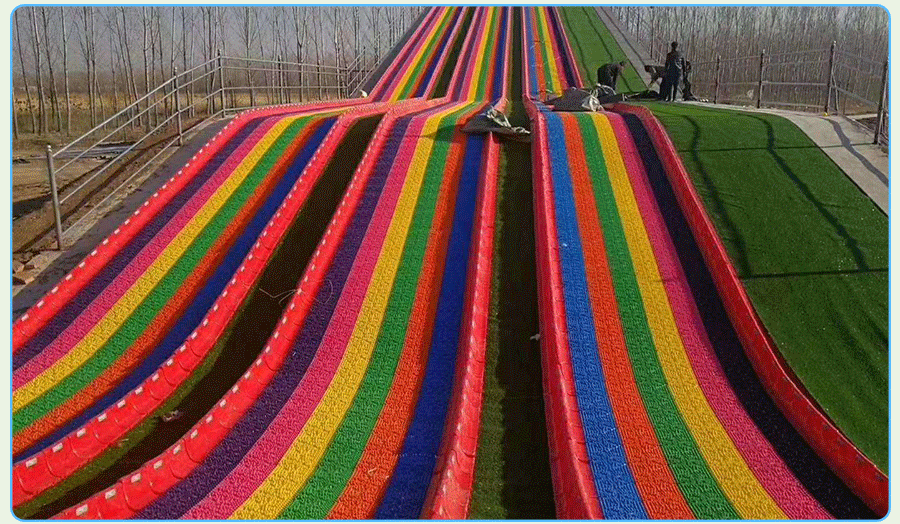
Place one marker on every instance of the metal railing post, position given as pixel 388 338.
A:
pixel 221 81
pixel 54 195
pixel 830 79
pixel 759 87
pixel 879 121
pixel 177 106
pixel 718 76
pixel 280 83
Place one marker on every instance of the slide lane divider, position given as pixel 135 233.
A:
pixel 573 482
pixel 850 464
pixel 768 467
pixel 46 469
pixel 40 314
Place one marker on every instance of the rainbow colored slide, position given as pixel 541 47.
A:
pixel 296 325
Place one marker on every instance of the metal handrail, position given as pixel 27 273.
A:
pixel 111 162
pixel 283 62
pixel 120 113
pixel 173 89
pixel 110 134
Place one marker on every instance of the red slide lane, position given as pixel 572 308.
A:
pixel 854 468
pixel 573 481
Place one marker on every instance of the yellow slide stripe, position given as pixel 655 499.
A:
pixel 307 450
pixel 734 476
pixel 126 305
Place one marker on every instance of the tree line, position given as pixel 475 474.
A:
pixel 75 65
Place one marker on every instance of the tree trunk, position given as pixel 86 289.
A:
pixel 42 113
pixel 54 98
pixel 65 50
pixel 21 47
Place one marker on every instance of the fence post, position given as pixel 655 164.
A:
pixel 718 75
pixel 879 122
pixel 177 105
pixel 759 87
pixel 221 81
pixel 830 78
pixel 280 81
pixel 54 195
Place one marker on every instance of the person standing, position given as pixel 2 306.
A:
pixel 674 69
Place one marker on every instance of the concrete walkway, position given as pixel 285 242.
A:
pixel 846 144
pixel 636 54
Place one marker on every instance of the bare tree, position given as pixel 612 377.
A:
pixel 300 32
pixel 65 54
pixel 42 113
pixel 21 46
pixel 54 98
pixel 87 45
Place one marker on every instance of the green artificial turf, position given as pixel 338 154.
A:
pixel 593 46
pixel 512 474
pixel 811 250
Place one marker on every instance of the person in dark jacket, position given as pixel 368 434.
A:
pixel 608 74
pixel 674 68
